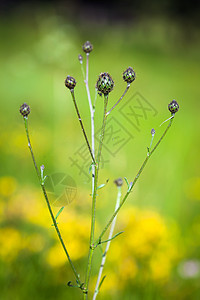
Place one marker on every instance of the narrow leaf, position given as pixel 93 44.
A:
pixel 101 186
pixel 100 284
pixel 114 236
pixel 90 167
pixel 59 212
pixel 126 182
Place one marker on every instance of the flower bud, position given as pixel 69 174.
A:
pixel 118 182
pixel 70 82
pixel 153 131
pixel 25 110
pixel 87 47
pixel 129 75
pixel 105 83
pixel 173 107
pixel 80 58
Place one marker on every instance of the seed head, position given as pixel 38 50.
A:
pixel 173 107
pixel 80 58
pixel 25 110
pixel 87 47
pixel 105 83
pixel 70 82
pixel 129 75
pixel 118 182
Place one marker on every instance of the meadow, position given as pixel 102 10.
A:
pixel 157 256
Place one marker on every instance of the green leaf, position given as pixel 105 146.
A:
pixel 101 186
pixel 90 167
pixel 126 182
pixel 100 284
pixel 114 236
pixel 59 212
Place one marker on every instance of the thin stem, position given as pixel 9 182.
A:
pixel 91 250
pixel 127 87
pixel 108 245
pixel 92 110
pixel 48 203
pixel 134 182
pixel 81 123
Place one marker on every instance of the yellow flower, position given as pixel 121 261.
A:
pixel 7 186
pixel 10 243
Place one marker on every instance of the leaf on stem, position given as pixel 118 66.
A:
pixel 101 186
pixel 100 284
pixel 90 167
pixel 114 236
pixel 59 212
pixel 126 182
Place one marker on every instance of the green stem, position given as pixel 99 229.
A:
pixel 48 203
pixel 134 182
pixel 126 90
pixel 103 260
pixel 81 123
pixel 91 250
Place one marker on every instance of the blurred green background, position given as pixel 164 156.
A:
pixel 158 255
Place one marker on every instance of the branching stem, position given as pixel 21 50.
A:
pixel 127 87
pixel 134 182
pixel 107 245
pixel 92 111
pixel 48 203
pixel 91 250
pixel 81 123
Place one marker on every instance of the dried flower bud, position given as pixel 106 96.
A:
pixel 70 82
pixel 80 58
pixel 129 75
pixel 87 47
pixel 25 110
pixel 105 83
pixel 153 131
pixel 118 182
pixel 173 107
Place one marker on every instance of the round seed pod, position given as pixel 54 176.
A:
pixel 119 182
pixel 87 47
pixel 105 83
pixel 129 75
pixel 80 58
pixel 70 82
pixel 25 110
pixel 173 107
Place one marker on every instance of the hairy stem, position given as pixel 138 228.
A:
pixel 91 250
pixel 134 182
pixel 81 123
pixel 107 245
pixel 48 203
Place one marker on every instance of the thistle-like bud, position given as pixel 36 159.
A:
pixel 118 182
pixel 80 58
pixel 87 47
pixel 25 110
pixel 153 131
pixel 105 83
pixel 173 107
pixel 70 82
pixel 129 75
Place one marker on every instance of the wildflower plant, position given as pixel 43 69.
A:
pixel 104 87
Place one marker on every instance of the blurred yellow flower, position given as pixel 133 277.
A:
pixel 146 249
pixel 11 242
pixel 8 185
pixel 75 233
